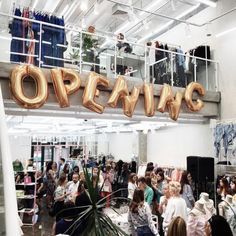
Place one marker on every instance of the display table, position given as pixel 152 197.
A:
pixel 121 220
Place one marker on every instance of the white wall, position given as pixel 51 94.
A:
pixel 223 48
pixel 20 148
pixel 171 146
pixel 123 145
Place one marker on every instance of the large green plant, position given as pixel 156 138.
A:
pixel 97 222
pixel 87 44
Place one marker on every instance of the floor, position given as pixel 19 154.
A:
pixel 43 227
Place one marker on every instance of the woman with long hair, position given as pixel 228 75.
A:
pixel 177 227
pixel 186 190
pixel 50 184
pixel 132 185
pixel 160 182
pixel 140 215
pixel 60 194
pixel 66 169
pixel 54 169
pixel 223 189
pixel 233 188
pixel 82 198
pixel 107 187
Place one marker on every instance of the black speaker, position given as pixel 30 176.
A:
pixel 201 168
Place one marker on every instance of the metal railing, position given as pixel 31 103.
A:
pixel 133 60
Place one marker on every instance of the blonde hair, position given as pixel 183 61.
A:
pixel 174 187
pixel 177 227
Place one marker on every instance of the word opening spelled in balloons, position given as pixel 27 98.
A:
pixel 167 102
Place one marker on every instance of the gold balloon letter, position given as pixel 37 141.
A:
pixel 91 91
pixel 149 99
pixel 18 75
pixel 198 105
pixel 119 91
pixel 167 99
pixel 174 106
pixel 63 90
pixel 130 102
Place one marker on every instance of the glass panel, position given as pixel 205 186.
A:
pixel 92 55
pixel 201 73
pixel 106 55
pixel 160 66
pixel 130 60
pixel 189 68
pixel 212 73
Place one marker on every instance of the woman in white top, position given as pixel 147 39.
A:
pixel 132 185
pixel 176 205
pixel 164 199
pixel 60 194
pixel 140 216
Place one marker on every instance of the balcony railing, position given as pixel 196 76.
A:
pixel 84 52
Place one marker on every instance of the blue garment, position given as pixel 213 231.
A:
pixel 51 37
pixel 218 135
pixel 16 30
pixel 229 135
pixel 144 231
pixel 225 133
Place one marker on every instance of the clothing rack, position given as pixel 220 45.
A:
pixel 168 44
pixel 14 6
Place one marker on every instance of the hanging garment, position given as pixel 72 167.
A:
pixel 16 30
pixel 218 136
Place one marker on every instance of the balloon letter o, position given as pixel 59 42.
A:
pixel 16 84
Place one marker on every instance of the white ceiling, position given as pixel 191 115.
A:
pixel 135 24
pixel 48 126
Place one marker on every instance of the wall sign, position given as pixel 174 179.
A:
pixel 168 101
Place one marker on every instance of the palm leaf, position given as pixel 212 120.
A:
pixel 97 222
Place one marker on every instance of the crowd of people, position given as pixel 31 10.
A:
pixel 154 194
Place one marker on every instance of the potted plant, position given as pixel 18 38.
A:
pixel 88 45
pixel 95 221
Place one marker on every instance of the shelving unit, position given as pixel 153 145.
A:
pixel 27 200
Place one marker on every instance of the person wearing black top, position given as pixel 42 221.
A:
pixel 75 170
pixel 65 224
